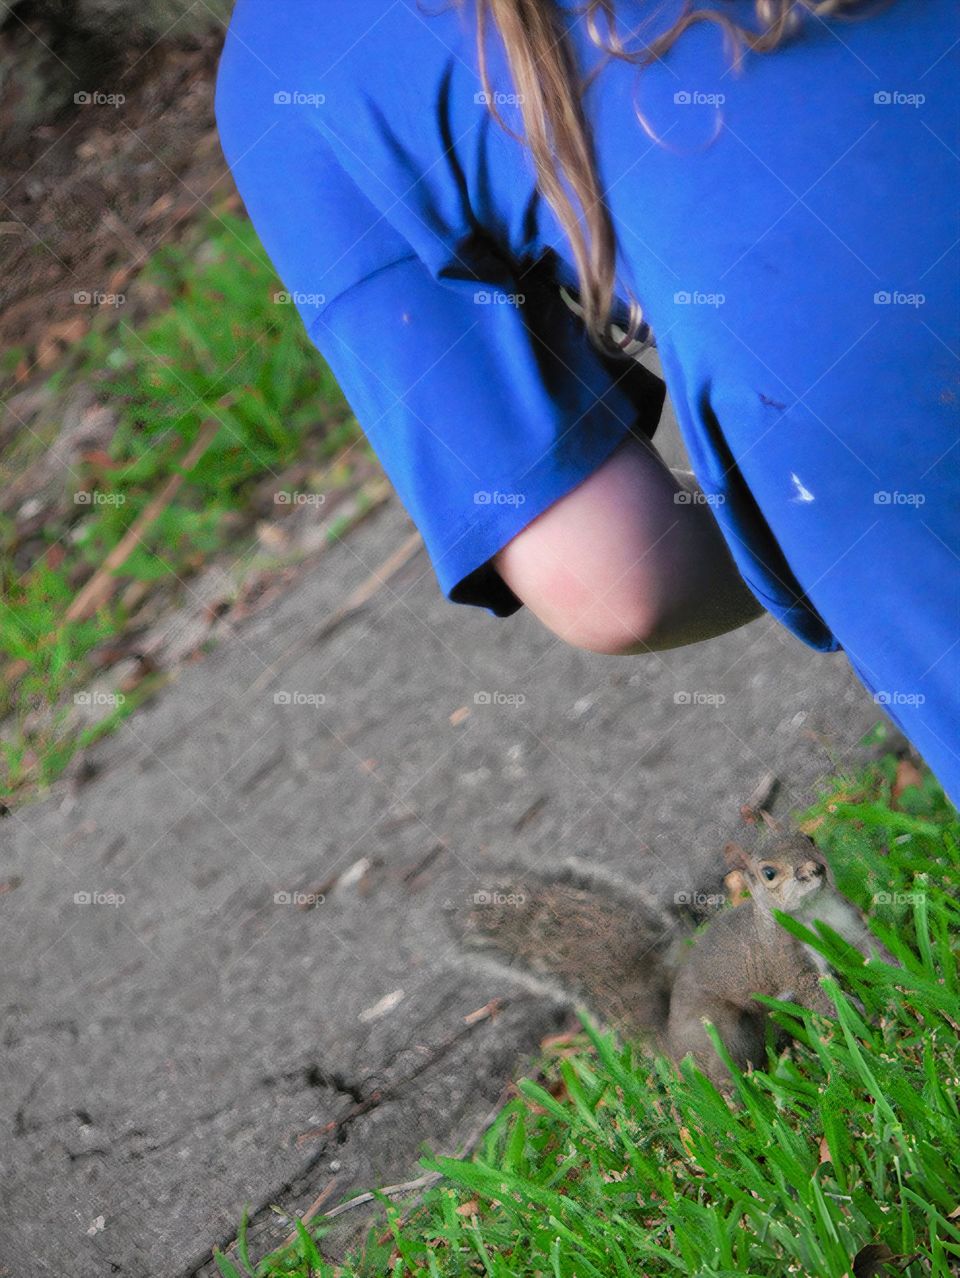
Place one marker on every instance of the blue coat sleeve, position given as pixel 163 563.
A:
pixel 481 396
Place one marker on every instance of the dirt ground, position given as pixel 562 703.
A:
pixel 87 197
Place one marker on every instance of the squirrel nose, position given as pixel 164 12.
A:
pixel 809 870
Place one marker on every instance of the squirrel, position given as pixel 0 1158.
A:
pixel 642 968
pixel 744 951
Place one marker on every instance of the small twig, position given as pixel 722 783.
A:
pixel 760 797
pixel 487 1012
pixel 388 1191
pixel 311 1211
pixel 396 1191
pixel 100 586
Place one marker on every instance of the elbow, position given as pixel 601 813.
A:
pixel 618 627
pixel 602 615
pixel 618 566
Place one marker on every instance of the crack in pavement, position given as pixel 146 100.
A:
pixel 335 1134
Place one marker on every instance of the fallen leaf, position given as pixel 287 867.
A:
pixel 382 1007
pixel 907 775
pixel 458 716
pixel 271 537
pixel 872 1261
pixel 569 1042
pixel 99 457
pixel 160 205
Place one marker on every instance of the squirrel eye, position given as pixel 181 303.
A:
pixel 769 873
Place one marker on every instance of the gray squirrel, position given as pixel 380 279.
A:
pixel 744 951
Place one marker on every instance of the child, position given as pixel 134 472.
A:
pixel 427 176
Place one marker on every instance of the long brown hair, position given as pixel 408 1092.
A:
pixel 550 93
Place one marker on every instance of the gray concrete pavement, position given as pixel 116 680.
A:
pixel 205 1042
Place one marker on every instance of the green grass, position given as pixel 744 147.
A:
pixel 611 1165
pixel 214 344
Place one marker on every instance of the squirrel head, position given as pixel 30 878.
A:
pixel 783 873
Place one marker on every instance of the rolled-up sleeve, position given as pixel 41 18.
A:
pixel 482 398
pixel 483 409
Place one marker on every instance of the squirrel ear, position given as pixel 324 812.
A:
pixel 818 856
pixel 737 886
pixel 771 822
pixel 735 856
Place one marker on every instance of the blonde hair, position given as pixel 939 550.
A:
pixel 550 93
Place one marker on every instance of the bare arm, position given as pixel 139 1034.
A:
pixel 618 565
